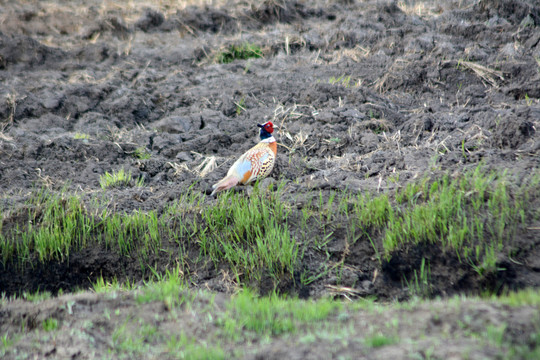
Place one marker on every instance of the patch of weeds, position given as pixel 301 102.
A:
pixel 169 288
pixel 36 297
pixel 115 179
pixel 332 333
pixel 373 114
pixel 54 225
pixel 50 324
pixel 453 212
pixel 273 315
pixel 139 182
pixel 474 215
pixel 141 153
pixel 528 100
pixel 372 211
pixel 240 106
pixel 342 80
pixel 369 304
pixel 394 178
pixel 307 277
pixel 81 136
pixel 57 225
pixel 380 340
pixel 101 285
pixel 239 52
pixel 250 234
pixel 127 232
pixel 420 284
pixel 531 351
pixel 495 334
pixel 125 342
pixel 520 298
pixel 6 342
pixel 182 347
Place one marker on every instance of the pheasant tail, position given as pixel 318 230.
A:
pixel 224 184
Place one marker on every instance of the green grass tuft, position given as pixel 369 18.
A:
pixel 50 324
pixel 182 347
pixel 81 136
pixel 380 340
pixel 167 288
pixel 115 179
pixel 343 80
pixel 273 315
pixel 141 153
pixel 520 298
pixel 106 286
pixel 239 52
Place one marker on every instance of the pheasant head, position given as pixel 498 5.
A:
pixel 266 130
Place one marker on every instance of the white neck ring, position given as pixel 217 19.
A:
pixel 269 140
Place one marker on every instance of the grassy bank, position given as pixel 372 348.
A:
pixel 475 215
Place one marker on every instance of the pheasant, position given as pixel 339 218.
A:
pixel 254 164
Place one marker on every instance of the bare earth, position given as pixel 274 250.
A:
pixel 368 96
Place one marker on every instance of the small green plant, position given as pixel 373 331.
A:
pixel 420 284
pixel 141 153
pixel 240 106
pixel 528 100
pixel 81 136
pixel 105 286
pixel 307 278
pixel 50 324
pixel 124 341
pixel 247 67
pixel 239 52
pixel 495 334
pixel 183 347
pixel 379 340
pixel 139 182
pixel 394 178
pixel 374 115
pixel 342 80
pixel 115 179
pixel 6 342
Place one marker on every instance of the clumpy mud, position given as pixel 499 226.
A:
pixel 368 96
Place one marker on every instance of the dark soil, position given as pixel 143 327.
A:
pixel 363 92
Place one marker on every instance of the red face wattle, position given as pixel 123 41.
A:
pixel 269 127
